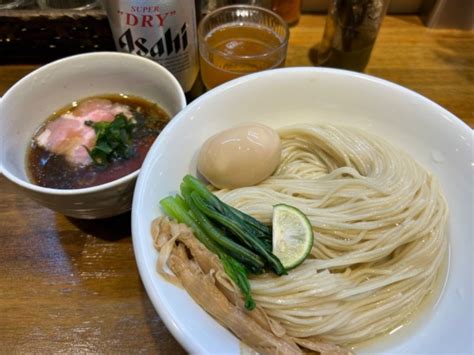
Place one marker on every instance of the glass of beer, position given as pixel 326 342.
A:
pixel 240 39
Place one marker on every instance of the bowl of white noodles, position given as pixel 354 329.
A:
pixel 384 176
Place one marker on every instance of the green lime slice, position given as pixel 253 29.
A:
pixel 292 235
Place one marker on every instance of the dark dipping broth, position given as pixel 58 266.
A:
pixel 53 170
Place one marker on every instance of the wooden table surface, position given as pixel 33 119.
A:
pixel 72 286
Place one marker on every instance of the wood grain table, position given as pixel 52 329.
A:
pixel 72 286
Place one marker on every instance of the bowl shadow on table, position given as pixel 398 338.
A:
pixel 108 229
pixel 112 230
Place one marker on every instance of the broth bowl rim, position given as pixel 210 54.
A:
pixel 68 61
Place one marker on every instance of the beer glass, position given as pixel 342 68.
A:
pixel 240 39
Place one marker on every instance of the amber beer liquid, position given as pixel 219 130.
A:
pixel 237 40
pixel 236 50
pixel 162 30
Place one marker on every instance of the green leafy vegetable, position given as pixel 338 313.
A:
pixel 241 242
pixel 244 234
pixel 176 208
pixel 253 234
pixel 245 256
pixel 260 230
pixel 114 140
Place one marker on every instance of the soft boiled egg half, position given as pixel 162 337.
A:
pixel 241 156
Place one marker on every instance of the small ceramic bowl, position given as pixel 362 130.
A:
pixel 27 104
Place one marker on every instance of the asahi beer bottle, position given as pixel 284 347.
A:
pixel 162 30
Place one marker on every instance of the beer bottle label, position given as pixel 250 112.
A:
pixel 164 31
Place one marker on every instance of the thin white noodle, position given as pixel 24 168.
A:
pixel 379 221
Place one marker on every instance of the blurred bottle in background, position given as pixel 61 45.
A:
pixel 69 4
pixel 161 30
pixel 211 5
pixel 13 4
pixel 350 33
pixel 289 10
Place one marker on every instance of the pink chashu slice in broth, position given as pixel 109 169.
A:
pixel 69 136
